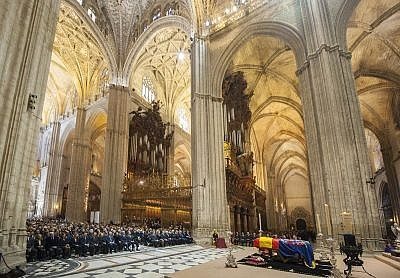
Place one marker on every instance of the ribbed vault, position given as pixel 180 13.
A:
pixel 60 92
pixel 165 60
pixel 81 54
pixel 373 37
pixel 277 130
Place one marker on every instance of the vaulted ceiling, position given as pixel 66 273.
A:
pixel 165 59
pixel 373 37
pixel 81 54
pixel 277 130
pixel 124 15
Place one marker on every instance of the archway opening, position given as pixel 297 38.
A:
pixel 372 37
pixel 265 148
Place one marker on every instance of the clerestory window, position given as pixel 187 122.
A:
pixel 148 91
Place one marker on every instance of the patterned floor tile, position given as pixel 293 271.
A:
pixel 149 275
pixel 148 263
pixel 133 271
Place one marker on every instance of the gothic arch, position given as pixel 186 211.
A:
pixel 345 11
pixel 98 36
pixel 301 213
pixel 276 29
pixel 156 26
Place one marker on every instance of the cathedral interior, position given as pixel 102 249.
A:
pixel 214 115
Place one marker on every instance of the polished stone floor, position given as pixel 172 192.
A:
pixel 146 263
pixel 180 261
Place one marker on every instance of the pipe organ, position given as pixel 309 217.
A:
pixel 148 190
pixel 246 200
pixel 149 142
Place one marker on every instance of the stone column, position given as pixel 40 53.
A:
pixel 79 174
pixel 336 142
pixel 248 226
pixel 232 220
pixel 254 215
pixel 393 184
pixel 243 220
pixel 270 203
pixel 116 154
pixel 238 222
pixel 210 206
pixel 53 172
pixel 27 31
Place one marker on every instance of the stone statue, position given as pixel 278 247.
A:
pixel 246 162
pixel 396 231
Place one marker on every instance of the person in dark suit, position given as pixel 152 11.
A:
pixel 123 242
pixel 95 242
pixel 85 245
pixel 64 245
pixel 31 250
pixel 135 240
pixel 215 237
pixel 188 237
pixel 39 245
pixel 74 244
pixel 110 241
pixel 153 238
pixel 103 243
pixel 249 239
pixel 52 245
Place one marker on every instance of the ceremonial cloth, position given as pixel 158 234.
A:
pixel 288 248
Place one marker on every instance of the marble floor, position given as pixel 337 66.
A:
pixel 146 263
pixel 179 261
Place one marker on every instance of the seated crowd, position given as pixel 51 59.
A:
pixel 55 238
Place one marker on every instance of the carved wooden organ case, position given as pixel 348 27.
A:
pixel 149 142
pixel 240 183
pixel 147 185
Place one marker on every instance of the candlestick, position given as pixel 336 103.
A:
pixel 327 219
pixel 318 224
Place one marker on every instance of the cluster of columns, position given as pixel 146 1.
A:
pixel 79 175
pixel 116 154
pixel 275 197
pixel 243 219
pixel 27 30
pixel 334 131
pixel 210 206
pixel 337 152
pixel 338 162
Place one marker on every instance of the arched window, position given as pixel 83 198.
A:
pixel 148 90
pixel 80 2
pixel 183 119
pixel 92 14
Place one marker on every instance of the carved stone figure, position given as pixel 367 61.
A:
pixel 396 231
pixel 246 162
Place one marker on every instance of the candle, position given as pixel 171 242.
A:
pixel 327 219
pixel 318 224
pixel 259 220
pixel 225 117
